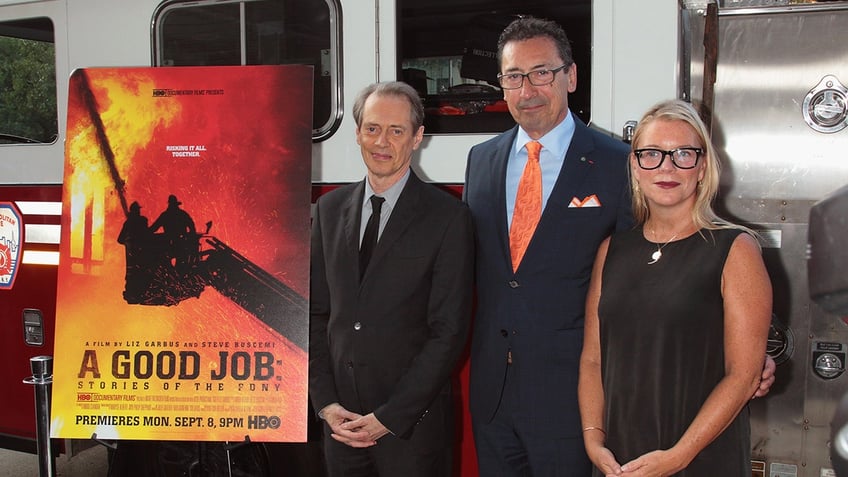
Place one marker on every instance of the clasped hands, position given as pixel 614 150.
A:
pixel 351 428
pixel 658 463
pixel 662 462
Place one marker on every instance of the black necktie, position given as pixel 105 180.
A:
pixel 369 240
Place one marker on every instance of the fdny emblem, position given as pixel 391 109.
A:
pixel 11 232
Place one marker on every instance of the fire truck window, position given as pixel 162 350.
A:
pixel 257 32
pixel 447 50
pixel 28 112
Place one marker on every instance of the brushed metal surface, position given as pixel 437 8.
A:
pixel 775 168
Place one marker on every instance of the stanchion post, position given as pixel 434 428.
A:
pixel 42 379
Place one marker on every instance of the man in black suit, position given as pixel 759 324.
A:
pixel 386 331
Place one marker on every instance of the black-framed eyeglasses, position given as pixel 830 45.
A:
pixel 682 157
pixel 536 78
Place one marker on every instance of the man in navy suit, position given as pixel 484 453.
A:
pixel 386 332
pixel 528 329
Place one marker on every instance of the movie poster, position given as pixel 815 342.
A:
pixel 182 310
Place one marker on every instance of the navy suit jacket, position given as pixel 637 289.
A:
pixel 389 344
pixel 536 314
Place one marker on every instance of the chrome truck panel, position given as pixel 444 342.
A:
pixel 779 120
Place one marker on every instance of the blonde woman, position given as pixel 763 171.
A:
pixel 677 317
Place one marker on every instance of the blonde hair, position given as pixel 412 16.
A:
pixel 702 213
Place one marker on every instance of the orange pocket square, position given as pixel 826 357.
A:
pixel 590 201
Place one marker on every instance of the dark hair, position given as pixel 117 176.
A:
pixel 392 88
pixel 526 28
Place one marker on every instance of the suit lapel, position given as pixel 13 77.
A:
pixel 575 168
pixel 500 160
pixel 351 213
pixel 405 210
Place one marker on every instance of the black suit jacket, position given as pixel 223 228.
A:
pixel 537 312
pixel 389 345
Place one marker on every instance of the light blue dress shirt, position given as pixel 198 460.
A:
pixel 554 146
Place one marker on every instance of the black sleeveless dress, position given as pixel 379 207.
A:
pixel 661 331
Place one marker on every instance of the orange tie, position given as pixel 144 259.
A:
pixel 528 205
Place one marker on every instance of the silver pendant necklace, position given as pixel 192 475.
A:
pixel 656 256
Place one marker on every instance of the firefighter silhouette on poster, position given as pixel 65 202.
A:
pixel 136 237
pixel 162 268
pixel 170 261
pixel 179 234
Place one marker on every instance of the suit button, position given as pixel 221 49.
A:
pixel 514 284
pixel 504 333
pixel 357 326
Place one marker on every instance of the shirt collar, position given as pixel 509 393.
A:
pixel 391 194
pixel 556 140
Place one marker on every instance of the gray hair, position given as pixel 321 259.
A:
pixel 397 89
